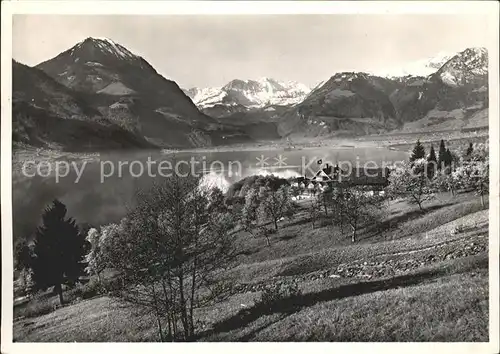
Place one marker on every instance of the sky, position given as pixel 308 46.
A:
pixel 204 51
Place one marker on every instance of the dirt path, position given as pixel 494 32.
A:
pixel 387 264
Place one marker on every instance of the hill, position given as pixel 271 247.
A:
pixel 348 102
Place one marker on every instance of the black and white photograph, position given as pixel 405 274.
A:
pixel 281 176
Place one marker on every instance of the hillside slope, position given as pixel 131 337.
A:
pixel 358 103
pixel 449 97
pixel 127 89
pixel 351 103
pixel 48 114
pixel 250 94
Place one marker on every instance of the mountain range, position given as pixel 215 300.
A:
pixel 454 97
pixel 117 89
pixel 101 95
pixel 448 91
pixel 250 94
pixel 46 113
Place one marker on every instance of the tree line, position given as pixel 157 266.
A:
pixel 417 181
pixel 427 174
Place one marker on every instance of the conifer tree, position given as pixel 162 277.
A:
pixel 442 154
pixel 470 149
pixel 418 152
pixel 448 160
pixel 58 250
pixel 431 163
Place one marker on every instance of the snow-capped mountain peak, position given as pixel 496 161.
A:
pixel 250 93
pixel 421 67
pixel 465 67
pixel 103 45
pixel 206 97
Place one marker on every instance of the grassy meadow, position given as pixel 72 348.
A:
pixel 422 277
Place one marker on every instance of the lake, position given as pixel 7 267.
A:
pixel 99 192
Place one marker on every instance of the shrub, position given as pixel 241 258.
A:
pixel 38 306
pixel 113 285
pixel 91 289
pixel 457 229
pixel 280 296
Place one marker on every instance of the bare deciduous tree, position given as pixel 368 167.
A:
pixel 276 204
pixel 356 207
pixel 173 250
pixel 410 182
pixel 473 172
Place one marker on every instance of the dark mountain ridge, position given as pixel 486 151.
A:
pixel 104 86
pixel 128 91
pixel 48 114
pixel 360 103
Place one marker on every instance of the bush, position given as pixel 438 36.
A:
pixel 240 188
pixel 91 289
pixel 458 229
pixel 88 290
pixel 280 296
pixel 463 228
pixel 38 306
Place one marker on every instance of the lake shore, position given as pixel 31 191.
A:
pixel 394 141
pixel 391 141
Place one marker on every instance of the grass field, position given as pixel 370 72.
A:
pixel 419 279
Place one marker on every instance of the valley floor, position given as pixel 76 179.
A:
pixel 421 277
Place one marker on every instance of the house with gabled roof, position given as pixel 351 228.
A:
pixel 375 179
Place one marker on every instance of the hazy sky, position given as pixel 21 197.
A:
pixel 202 51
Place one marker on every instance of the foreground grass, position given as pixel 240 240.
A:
pixel 444 302
pixel 441 301
pixel 329 257
pixel 447 302
pixel 452 309
pixel 402 221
